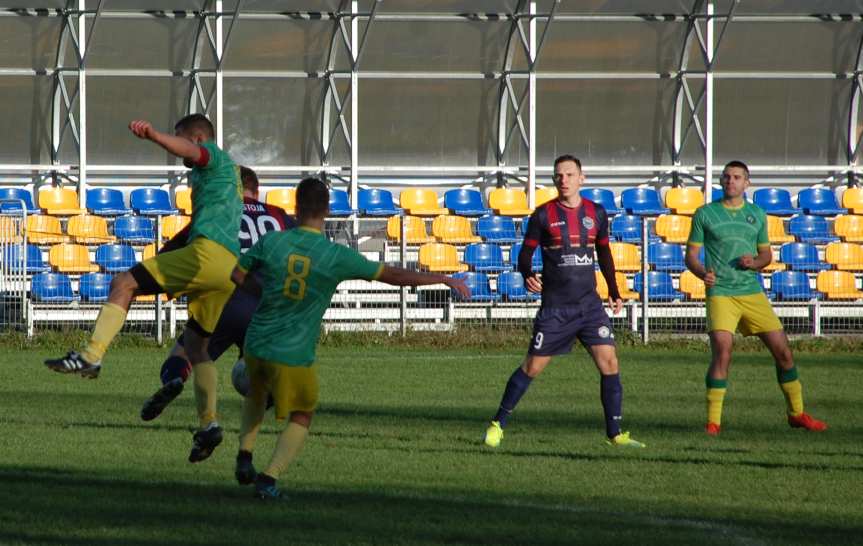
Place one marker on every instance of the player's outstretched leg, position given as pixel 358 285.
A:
pixel 73 362
pixel 254 407
pixel 611 395
pixel 517 385
pixel 175 372
pixel 288 448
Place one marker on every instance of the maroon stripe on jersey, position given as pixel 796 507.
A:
pixel 531 243
pixel 574 224
pixel 278 214
pixel 204 160
pixel 553 223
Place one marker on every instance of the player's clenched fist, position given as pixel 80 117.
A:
pixel 142 128
pixel 709 278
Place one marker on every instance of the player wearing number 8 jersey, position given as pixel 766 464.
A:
pixel 299 271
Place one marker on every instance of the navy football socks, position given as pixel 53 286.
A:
pixel 515 389
pixel 611 394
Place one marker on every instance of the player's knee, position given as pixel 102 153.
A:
pixel 302 418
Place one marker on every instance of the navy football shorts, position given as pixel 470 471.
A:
pixel 555 329
pixel 233 322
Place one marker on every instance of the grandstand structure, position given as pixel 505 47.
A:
pixel 436 124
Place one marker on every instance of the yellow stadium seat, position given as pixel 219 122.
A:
pixel 453 229
pixel 620 278
pixel 508 202
pixel 183 200
pixel 89 229
pixel 286 198
pixel 68 258
pixel 849 227
pixel 845 256
pixel 151 297
pixel 10 230
pixel 776 230
pixel 440 257
pixel 626 257
pixel 853 199
pixel 420 202
pixel 149 251
pixel 774 265
pixel 60 201
pixel 684 200
pixel 415 230
pixel 172 225
pixel 44 230
pixel 602 286
pixel 838 285
pixel 544 195
pixel 673 228
pixel 692 286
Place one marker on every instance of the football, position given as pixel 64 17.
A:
pixel 240 378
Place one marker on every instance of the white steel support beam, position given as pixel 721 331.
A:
pixel 354 91
pixel 855 134
pixel 220 50
pixel 531 124
pixel 708 114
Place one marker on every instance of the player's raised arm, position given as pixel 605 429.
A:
pixel 180 146
pixel 404 277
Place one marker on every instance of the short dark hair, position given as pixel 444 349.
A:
pixel 313 198
pixel 738 164
pixel 196 122
pixel 249 178
pixel 567 157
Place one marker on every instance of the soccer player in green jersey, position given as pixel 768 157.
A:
pixel 733 233
pixel 299 271
pixel 201 270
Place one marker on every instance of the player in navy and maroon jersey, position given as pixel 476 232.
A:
pixel 257 219
pixel 567 230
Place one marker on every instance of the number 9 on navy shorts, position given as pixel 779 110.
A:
pixel 555 329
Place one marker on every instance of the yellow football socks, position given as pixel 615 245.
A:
pixel 254 407
pixel 715 395
pixel 206 380
pixel 108 325
pixel 792 389
pixel 290 443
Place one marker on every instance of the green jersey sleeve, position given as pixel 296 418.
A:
pixel 253 257
pixel 763 238
pixel 353 265
pixel 696 233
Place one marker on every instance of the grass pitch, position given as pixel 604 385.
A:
pixel 395 456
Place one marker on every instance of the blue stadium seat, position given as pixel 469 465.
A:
pixel 32 262
pixel 603 197
pixel 626 228
pixel 374 202
pixel 536 263
pixel 659 285
pixel 94 287
pixel 716 194
pixel 114 258
pixel 339 203
pixel 106 202
pixel 775 201
pixel 484 257
pixel 510 285
pixel 811 229
pixel 151 202
pixel 792 285
pixel 11 196
pixel 465 202
pixel 820 201
pixel 801 257
pixel 480 290
pixel 51 287
pixel 643 202
pixel 134 229
pixel 497 229
pixel 666 257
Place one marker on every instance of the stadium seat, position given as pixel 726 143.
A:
pixel 510 285
pixel 852 199
pixel 94 287
pixel 134 229
pixel 811 229
pixel 89 229
pixel 31 262
pixel 151 202
pixel 172 225
pixel 51 288
pixel 415 230
pixel 183 200
pixel 819 201
pixel 114 258
pixel 665 257
pixel 484 257
pixel 626 257
pixel 717 194
pixel 776 230
pixel 106 202
pixel 838 285
pixel 626 228
pixel 642 202
pixel 692 286
pixel 536 259
pixel 420 202
pixel 71 258
pixel 603 197
pixel 844 256
pixel 684 200
pixel 465 202
pixel 453 229
pixel 10 230
pixel 480 289
pixel 496 229
pixel 148 252
pixel 791 285
pixel 340 204
pixel 775 264
pixel 801 257
pixel 775 201
pixel 9 198
pixel 673 228
pixel 44 230
pixel 60 201
pixel 602 287
pixel 849 227
pixel 508 202
pixel 660 286
pixel 284 198
pixel 543 195
pixel 374 202
pixel 439 257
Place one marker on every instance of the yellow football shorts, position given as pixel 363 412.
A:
pixel 293 388
pixel 751 314
pixel 201 270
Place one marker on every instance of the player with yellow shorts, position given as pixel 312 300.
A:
pixel 733 233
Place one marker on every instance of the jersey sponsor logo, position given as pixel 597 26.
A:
pixel 604 332
pixel 750 219
pixel 555 224
pixel 570 260
pixel 587 222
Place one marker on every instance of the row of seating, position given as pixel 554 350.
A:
pixel 73 258
pixel 89 229
pixel 92 288
pixel 100 201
